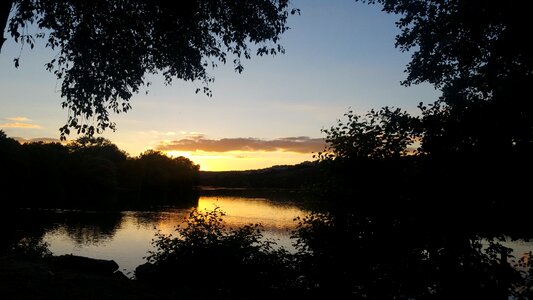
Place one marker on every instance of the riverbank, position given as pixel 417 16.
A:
pixel 91 279
pixel 59 277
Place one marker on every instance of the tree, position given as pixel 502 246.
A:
pixel 379 134
pixel 163 179
pixel 97 147
pixel 205 246
pixel 479 54
pixel 366 153
pixel 106 48
pixel 479 135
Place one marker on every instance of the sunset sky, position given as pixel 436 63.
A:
pixel 339 55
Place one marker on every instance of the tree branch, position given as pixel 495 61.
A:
pixel 5 9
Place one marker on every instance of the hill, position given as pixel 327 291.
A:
pixel 300 176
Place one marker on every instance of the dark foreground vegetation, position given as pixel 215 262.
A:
pixel 335 259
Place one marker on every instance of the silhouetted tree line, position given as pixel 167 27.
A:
pixel 91 173
pixel 299 176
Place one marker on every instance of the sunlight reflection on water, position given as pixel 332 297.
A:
pixel 126 237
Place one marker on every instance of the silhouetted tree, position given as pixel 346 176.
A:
pixel 91 173
pixel 386 133
pixel 43 166
pixel 162 179
pixel 478 54
pixel 400 222
pixel 206 246
pixel 479 134
pixel 9 150
pixel 97 147
pixel 106 48
pixel 368 157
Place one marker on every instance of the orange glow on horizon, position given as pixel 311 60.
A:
pixel 241 160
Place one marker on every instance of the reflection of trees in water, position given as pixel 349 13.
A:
pixel 17 224
pixel 277 218
pixel 89 228
pixel 384 258
pixel 280 197
pixel 151 219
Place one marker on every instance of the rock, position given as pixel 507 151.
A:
pixel 86 264
pixel 120 276
pixel 13 266
pixel 145 271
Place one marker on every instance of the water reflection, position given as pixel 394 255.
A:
pixel 126 237
pixel 85 228
pixel 274 216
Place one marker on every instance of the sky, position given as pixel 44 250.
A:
pixel 340 55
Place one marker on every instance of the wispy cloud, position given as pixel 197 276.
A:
pixel 300 144
pixel 19 119
pixel 192 134
pixel 156 133
pixel 19 122
pixel 20 125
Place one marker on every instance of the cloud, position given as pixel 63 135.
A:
pixel 19 119
pixel 19 122
pixel 20 125
pixel 158 134
pixel 193 134
pixel 300 144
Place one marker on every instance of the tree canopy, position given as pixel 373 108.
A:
pixel 479 54
pixel 106 48
pixel 92 173
pixel 460 42
pixel 377 135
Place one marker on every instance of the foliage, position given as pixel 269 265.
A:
pixel 162 178
pixel 376 135
pixel 477 53
pixel 471 44
pixel 105 49
pixel 227 260
pixel 475 141
pixel 443 205
pixel 366 153
pixel 31 248
pixel 385 258
pixel 92 173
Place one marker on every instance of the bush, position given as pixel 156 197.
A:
pixel 31 248
pixel 205 253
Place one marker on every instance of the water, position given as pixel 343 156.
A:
pixel 126 237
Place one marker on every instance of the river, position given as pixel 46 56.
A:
pixel 126 237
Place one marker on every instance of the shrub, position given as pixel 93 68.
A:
pixel 31 248
pixel 206 253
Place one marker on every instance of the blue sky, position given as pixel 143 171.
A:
pixel 339 55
